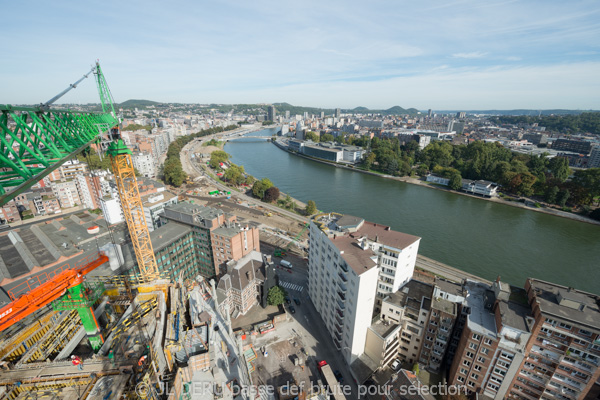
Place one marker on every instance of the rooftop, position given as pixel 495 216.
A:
pixel 514 315
pixel 400 387
pixel 480 299
pixel 358 259
pixel 415 294
pixel 383 328
pixel 573 305
pixel 450 287
pixel 168 233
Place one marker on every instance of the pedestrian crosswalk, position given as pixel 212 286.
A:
pixel 291 286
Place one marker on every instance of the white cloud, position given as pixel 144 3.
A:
pixel 475 54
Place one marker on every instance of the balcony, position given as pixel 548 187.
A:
pixel 341 305
pixel 339 320
pixel 337 343
pixel 342 296
pixel 343 277
pixel 339 312
pixel 338 328
pixel 342 287
pixel 338 336
pixel 343 267
pixel 575 385
pixel 576 364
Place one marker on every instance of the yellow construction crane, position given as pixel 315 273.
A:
pixel 133 210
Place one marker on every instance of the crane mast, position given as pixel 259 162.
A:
pixel 133 210
pixel 131 202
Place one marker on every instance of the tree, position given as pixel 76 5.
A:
pixel 415 369
pixel 271 194
pixel 259 187
pixel 369 160
pixel 562 198
pixel 234 174
pixel 551 194
pixel 559 167
pixel 595 214
pixel 455 182
pixel 328 137
pixel 310 135
pixel 276 296
pixel 174 174
pixel 217 157
pixel 311 207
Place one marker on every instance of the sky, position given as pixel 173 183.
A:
pixel 444 55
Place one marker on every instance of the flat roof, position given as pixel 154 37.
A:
pixel 514 315
pixel 480 299
pixel 382 328
pixel 168 233
pixel 584 309
pixel 385 235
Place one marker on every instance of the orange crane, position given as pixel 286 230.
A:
pixel 70 280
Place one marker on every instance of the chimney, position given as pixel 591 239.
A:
pixel 498 279
pixel 387 228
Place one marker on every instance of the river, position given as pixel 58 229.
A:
pixel 477 236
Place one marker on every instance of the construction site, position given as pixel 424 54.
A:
pixel 78 330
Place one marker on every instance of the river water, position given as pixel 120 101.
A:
pixel 477 236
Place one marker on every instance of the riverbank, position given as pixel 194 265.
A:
pixel 422 183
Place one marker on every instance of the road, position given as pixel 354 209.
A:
pixel 444 270
pixel 193 170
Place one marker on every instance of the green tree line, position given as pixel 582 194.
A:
pixel 517 173
pixel 587 122
pixel 173 170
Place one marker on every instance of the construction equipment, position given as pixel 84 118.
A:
pixel 306 226
pixel 80 297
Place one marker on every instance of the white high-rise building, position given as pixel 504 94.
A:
pixel 353 264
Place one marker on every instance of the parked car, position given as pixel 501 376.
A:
pixel 297 302
pixel 395 365
pixel 292 310
pixel 338 376
pixel 288 301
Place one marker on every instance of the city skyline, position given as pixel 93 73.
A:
pixel 445 56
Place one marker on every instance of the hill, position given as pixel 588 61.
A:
pixel 137 103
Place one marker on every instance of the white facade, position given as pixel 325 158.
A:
pixel 66 193
pixel 437 179
pixel 145 163
pixel 86 190
pixel 154 205
pixel 484 188
pixel 353 155
pixel 352 265
pixel 111 208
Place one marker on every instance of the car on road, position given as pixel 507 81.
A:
pixel 292 310
pixel 321 364
pixel 395 365
pixel 338 376
pixel 297 302
pixel 288 301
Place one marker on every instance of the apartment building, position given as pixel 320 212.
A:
pixel 492 343
pixel 89 189
pixel 145 164
pixel 350 262
pixel 111 209
pixel 66 192
pixel 381 345
pixel 562 357
pixel 72 168
pixel 154 205
pixel 9 213
pixel 218 237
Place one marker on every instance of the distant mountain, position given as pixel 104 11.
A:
pixel 360 110
pixel 138 103
pixel 518 112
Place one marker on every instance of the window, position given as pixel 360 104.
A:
pixel 471 384
pixel 565 326
pixel 474 376
pixel 463 371
pixel 585 333
pixel 477 367
pixel 460 379
pixel 473 346
pixel 481 360
pixel 484 351
pixel 488 342
pixel 466 363
pixel 470 355
pixel 476 336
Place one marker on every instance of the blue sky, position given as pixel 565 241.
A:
pixel 452 54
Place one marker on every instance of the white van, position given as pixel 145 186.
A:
pixel 286 264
